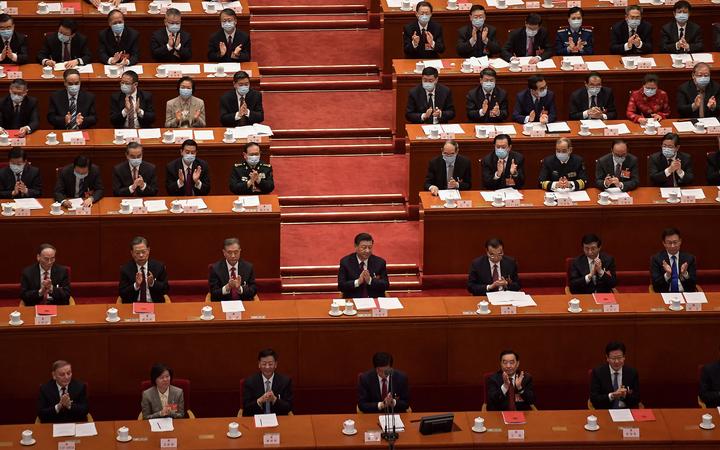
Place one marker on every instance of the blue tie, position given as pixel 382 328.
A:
pixel 674 282
pixel 616 402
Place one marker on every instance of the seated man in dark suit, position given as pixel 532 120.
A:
pixel 632 36
pixel 531 40
pixel 229 44
pixel 536 103
pixel 19 179
pixel 134 177
pixel 18 111
pixel 710 384
pixel 670 167
pixel 232 278
pixel 423 39
pixel 574 39
pixel 503 167
pixel 617 169
pixel 594 101
pixel 383 388
pixel 14 44
pixel 131 107
pixel 594 270
pixel 252 176
pixel 67 45
pixel 267 392
pixel 487 103
pixel 241 106
pixel 698 97
pixel 142 279
pixel 430 102
pixel 494 271
pixel 563 171
pixel 615 385
pixel 171 44
pixel 672 270
pixel 187 175
pixel 510 389
pixel 81 179
pixel 72 108
pixel 45 283
pixel 62 399
pixel 713 168
pixel 450 170
pixel 477 38
pixel 362 274
pixel 681 35
pixel 118 43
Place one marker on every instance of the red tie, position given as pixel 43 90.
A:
pixel 529 47
pixel 234 294
pixel 143 286
pixel 45 295
pixel 363 287
pixel 189 183
pixel 134 174
pixel 511 396
pixel 383 389
pixel 495 274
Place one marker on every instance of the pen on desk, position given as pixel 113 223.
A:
pixel 260 419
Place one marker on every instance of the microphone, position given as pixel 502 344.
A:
pixel 390 436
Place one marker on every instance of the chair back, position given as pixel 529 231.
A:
pixel 242 397
pixel 568 262
pixel 486 378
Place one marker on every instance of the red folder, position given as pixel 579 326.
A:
pixel 643 415
pixel 11 68
pixel 604 299
pixel 143 308
pixel 12 133
pixel 513 417
pixel 46 310
pixel 73 5
pixel 86 136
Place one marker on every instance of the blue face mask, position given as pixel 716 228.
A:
pixel 6 34
pixel 424 19
pixel 185 92
pixel 575 23
pixel 449 159
pixel 702 81
pixel 563 157
pixel 530 33
pixel 668 152
pixel 682 17
pixel 243 90
pixel 228 26
pixel 633 23
pixel 117 28
pixel 488 86
pixel 188 158
pixel 63 38
pixel 649 92
pixel 135 162
pixel 428 86
pixel 501 153
pixel 17 168
pixel 478 23
pixel 79 176
pixel 594 90
pixel 173 28
pixel 73 89
pixel 126 88
pixel 542 93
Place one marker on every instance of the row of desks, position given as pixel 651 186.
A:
pixel 672 428
pixel 95 246
pixel 439 342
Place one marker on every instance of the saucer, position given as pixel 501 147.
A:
pixel 501 7
pixel 337 314
pixel 32 441
pixel 3 75
pixel 498 205
pixel 206 318
pixel 679 66
pixel 120 211
pixel 233 436
pixel 479 430
pixel 466 70
pixel 630 68
pixel 41 13
pixel 157 75
pixel 673 201
pixel 349 434
pixel 550 204
pixel 238 210
pixel 156 12
pixel 450 205
pixel 129 438
pixel 547 6
pixel 650 133
pixel 483 313
pixel 10 214
pixel 417 71
pixel 229 141
pixel 405 9
pixel 176 212
pixel 517 69
pixel 584 134
pixel 168 142
pixel 47 77
pixel 679 308
pixel 218 75
pixel 696 131
pixel 5 144
pixel 570 310
pixel 107 319
pixel 59 213
pixel 589 428
pixel 525 133
pixel 603 203
pixel 449 8
pixel 119 143
pixel 569 69
pixel 112 76
pixel 17 325
pixel 702 425
pixel 52 143
pixel 353 313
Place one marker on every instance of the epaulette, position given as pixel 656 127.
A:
pixel 587 28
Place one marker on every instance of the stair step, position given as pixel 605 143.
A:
pixel 321 82
pixel 308 9
pixel 343 213
pixel 315 133
pixel 337 200
pixel 310 22
pixel 300 271
pixel 331 285
pixel 331 69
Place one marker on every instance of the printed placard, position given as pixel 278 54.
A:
pixel 132 139
pixel 644 65
pixel 235 315
pixel 687 199
pixel 253 138
pixel 271 439
pixel 582 66
pixel 610 131
pixel 11 11
pixel 147 317
pixel 82 211
pixel 379 312
pixel 43 320
pixel 537 132
pixel 532 5
pixel 611 308
pixel 631 433
pixel 372 436
pixel 66 445
pixel 17 142
pixel 464 6
pixel 528 68
pixel 508 309
pixel 463 203
pixel 66 10
pixel 713 129
pixel 190 208
pixel 574 3
pixel 139 210
pixel 693 306
pixel 77 141
pixel 512 202
pixel 22 212
pixel 619 2
pixel 168 443
pixel 662 131
pixel 565 201
pixel 14 75
pixel 516 435
pixel 174 73
pixel 264 208
pixel 625 201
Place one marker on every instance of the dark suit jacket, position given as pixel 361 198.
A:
pixel 579 103
pixel 171 177
pixel 52 48
pixel 657 164
pixel 229 107
pixel 710 384
pixel 418 103
pixel 122 179
pixel 437 173
pixel 475 99
pixel 552 170
pixel 605 166
pixel 686 96
pixel 127 281
pixel 716 38
pixel 657 273
pixel 497 401
pixel 420 53
pixel 240 38
pixel 516 45
pixel 524 103
pixel 117 104
pixel 50 396
pixel 65 185
pixel 60 106
pixel 713 169
pixel 159 51
pixel 480 275
pixel 579 268
pixel 489 167
pixel 620 33
pixel 369 392
pixel 18 45
pixel 108 46
pixel 601 386
pixel 465 50
pixel 692 34
pixel 219 277
pixel 349 271
pixel 27 116
pixel 30 285
pixel 30 176
pixel 254 388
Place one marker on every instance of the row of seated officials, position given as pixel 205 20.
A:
pixel 613 385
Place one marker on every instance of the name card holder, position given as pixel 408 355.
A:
pixel 512 202
pixel 139 210
pixel 379 312
pixel 22 212
pixel 444 136
pixel 190 209
pixel 265 207
pixel 174 73
pixel 687 199
pixel 17 142
pixel 670 2
pixel 271 439
pixel 77 141
pixel 611 308
pixel 508 310
pixel 631 433
pixel 532 5
pixel 644 65
pixel 528 68
pixel 625 201
pixel 133 139
pixel 11 11
pixel 619 2
pixel 66 445
pixel 168 443
pixel 516 435
pixel 464 6
pixel 693 306
pixel 253 138
pixel 662 131
pixel 235 315
pixel 537 132
pixel 610 131
pixel 574 3
pixel 43 320
pixel 582 66
pixel 14 75
pixel 123 9
pixel 147 317
pixel 179 139
pixel 689 64
pixel 476 69
pixel 67 11
pixel 463 203
pixel 372 436
pixel 713 129
pixel 565 201
pixel 82 211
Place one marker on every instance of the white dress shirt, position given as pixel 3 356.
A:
pixel 148 297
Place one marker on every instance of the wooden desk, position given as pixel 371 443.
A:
pixel 220 156
pixel 541 237
pixel 598 14
pixel 422 149
pixel 10 436
pixel 682 424
pixel 562 83
pixel 96 245
pixel 208 88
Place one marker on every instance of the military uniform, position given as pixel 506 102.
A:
pixel 552 170
pixel 241 174
pixel 565 33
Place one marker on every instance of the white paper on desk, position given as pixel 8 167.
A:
pixel 436 63
pixel 204 135
pixel 429 128
pixel 155 205
pixel 621 415
pixel 364 303
pixel 389 303
pixel 27 203
pixel 505 129
pixel 702 57
pixel 68 136
pixel 232 306
pixel 642 60
pixel 161 425
pixel 149 133
pixel 574 196
pixel 3 5
pixel 597 65
pixel 55 7
pixel 665 191
pixel 710 121
pixel 499 298
pixel 250 200
pixel 126 132
pixel 695 297
pixel 63 429
pixel 618 195
pixel 558 127
pixel 75 203
pixel 668 297
pixel 508 194
pixel 133 202
pixel 452 194
pixel 229 67
pixel 231 5
pixel 684 57
pixel 183 133
pixel 85 429
pixel 262 130
pixel 87 68
pixel 129 7
pixel 386 422
pixel 138 68
pixel 200 203
pixel 621 127
pixel 524 60
pixel 474 61
pixel 574 59
pixel 493 3
pixel 59 66
pixel 182 7
pixel 593 124
pixel 523 301
pixel 698 193
pixel 684 126
pixel 398 3
pixel 499 63
pixel 546 64
pixel 265 420
pixel 243 132
pixel 453 128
